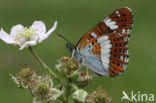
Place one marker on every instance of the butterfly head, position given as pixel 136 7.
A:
pixel 70 46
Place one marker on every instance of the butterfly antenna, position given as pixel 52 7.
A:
pixel 63 37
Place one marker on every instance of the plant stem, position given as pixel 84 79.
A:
pixel 74 87
pixel 43 64
pixel 64 99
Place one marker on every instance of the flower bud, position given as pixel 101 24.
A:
pixel 80 95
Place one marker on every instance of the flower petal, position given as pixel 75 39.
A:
pixel 6 37
pixel 39 26
pixel 28 43
pixel 15 29
pixel 56 94
pixel 15 79
pixel 44 36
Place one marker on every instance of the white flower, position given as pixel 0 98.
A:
pixel 25 37
pixel 43 90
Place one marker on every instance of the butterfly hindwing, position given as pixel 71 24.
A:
pixel 119 54
pixel 108 41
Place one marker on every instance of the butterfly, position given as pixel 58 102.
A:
pixel 104 48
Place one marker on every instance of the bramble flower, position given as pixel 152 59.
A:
pixel 73 71
pixel 68 67
pixel 25 37
pixel 99 96
pixel 80 96
pixel 24 77
pixel 84 78
pixel 43 90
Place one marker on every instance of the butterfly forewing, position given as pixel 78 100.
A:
pixel 109 39
pixel 124 20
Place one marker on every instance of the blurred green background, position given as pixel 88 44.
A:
pixel 75 18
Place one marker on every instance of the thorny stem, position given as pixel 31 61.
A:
pixel 43 64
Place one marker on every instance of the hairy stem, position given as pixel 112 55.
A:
pixel 43 64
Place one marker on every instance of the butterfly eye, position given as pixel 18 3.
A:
pixel 69 46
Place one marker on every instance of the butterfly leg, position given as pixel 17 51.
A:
pixel 87 69
pixel 84 64
pixel 73 53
